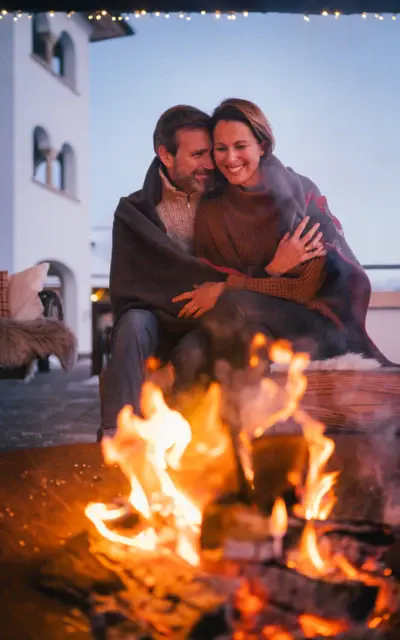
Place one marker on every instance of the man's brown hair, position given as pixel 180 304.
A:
pixel 175 119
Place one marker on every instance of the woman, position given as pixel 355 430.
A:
pixel 278 283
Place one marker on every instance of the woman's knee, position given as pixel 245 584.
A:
pixel 228 315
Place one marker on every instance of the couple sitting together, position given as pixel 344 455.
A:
pixel 222 242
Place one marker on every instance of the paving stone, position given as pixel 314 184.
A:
pixel 51 409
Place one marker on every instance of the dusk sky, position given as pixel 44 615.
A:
pixel 331 89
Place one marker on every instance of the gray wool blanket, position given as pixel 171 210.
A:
pixel 23 342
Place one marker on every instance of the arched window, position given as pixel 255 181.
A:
pixel 53 169
pixel 41 153
pixel 57 52
pixel 63 58
pixel 41 37
pixel 66 159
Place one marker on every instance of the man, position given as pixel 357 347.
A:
pixel 151 261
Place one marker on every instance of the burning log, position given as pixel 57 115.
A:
pixel 74 573
pixel 145 593
pixel 375 532
pixel 352 601
pixel 356 541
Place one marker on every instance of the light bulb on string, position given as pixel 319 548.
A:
pixel 306 18
pixel 203 13
pixel 324 13
pixel 245 14
pixel 364 15
pixel 394 17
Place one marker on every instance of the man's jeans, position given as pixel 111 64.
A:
pixel 135 339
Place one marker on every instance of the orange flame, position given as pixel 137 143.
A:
pixel 315 626
pixel 318 501
pixel 279 519
pixel 318 498
pixel 249 600
pixel 144 449
pixel 153 363
pixel 258 342
pixel 278 525
pixel 281 353
pixel 274 632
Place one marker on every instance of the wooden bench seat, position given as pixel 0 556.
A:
pixel 359 400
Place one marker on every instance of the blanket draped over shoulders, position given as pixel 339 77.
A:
pixel 148 269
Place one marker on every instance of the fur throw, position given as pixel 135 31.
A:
pixel 23 342
pixel 347 362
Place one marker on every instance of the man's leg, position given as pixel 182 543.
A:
pixel 134 340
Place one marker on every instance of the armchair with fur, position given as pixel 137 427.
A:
pixel 31 325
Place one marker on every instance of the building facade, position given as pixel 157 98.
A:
pixel 45 156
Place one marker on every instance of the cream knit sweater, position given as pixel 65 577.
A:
pixel 177 211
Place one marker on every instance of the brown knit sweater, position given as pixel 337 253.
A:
pixel 241 230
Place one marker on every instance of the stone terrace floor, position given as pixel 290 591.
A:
pixel 51 409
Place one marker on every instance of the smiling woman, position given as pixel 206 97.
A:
pixel 238 148
pixel 261 224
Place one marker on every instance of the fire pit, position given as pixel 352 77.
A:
pixel 278 559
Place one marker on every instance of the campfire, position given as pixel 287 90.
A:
pixel 231 566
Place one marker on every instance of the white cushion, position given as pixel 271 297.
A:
pixel 23 290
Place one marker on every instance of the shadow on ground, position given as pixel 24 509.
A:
pixel 51 409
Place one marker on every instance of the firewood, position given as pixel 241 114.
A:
pixel 74 573
pixel 231 518
pixel 374 532
pixel 347 600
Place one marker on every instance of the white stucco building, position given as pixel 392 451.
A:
pixel 45 151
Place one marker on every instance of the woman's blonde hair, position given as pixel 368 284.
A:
pixel 238 110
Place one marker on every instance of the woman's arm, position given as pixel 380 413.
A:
pixel 301 289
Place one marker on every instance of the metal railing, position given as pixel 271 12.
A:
pixel 381 267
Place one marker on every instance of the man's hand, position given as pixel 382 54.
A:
pixel 293 250
pixel 201 299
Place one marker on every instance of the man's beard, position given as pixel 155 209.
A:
pixel 192 183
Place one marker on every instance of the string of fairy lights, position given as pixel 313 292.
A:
pixel 181 15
